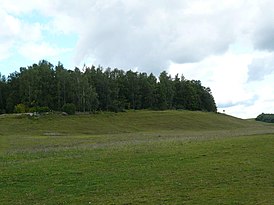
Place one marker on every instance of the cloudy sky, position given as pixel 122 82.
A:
pixel 227 44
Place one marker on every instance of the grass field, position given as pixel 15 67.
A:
pixel 144 157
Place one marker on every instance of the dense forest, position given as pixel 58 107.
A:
pixel 44 86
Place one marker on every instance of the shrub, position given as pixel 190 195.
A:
pixel 39 109
pixel 69 108
pixel 43 109
pixel 20 108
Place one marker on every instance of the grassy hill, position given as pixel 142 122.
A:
pixel 127 122
pixel 142 157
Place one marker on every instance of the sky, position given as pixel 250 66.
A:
pixel 227 44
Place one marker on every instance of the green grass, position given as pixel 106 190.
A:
pixel 109 123
pixel 144 157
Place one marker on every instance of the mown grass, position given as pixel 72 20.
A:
pixel 136 158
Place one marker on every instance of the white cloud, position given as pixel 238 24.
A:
pixel 18 7
pixel 14 32
pixel 39 51
pixel 149 36
pixel 263 34
pixel 9 28
pixel 261 67
pixel 5 49
pixel 251 111
pixel 10 25
pixel 143 34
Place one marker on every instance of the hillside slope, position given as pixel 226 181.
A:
pixel 127 122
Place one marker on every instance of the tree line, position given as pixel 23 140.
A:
pixel 265 118
pixel 47 87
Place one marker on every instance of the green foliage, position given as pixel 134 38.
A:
pixel 39 109
pixel 265 118
pixel 20 108
pixel 43 85
pixel 2 94
pixel 69 108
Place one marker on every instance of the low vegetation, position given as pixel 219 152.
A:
pixel 135 157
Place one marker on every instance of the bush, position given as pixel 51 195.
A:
pixel 43 109
pixel 39 109
pixel 20 108
pixel 69 108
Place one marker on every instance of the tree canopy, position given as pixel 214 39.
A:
pixel 44 85
pixel 265 118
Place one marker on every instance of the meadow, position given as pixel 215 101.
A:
pixel 136 157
